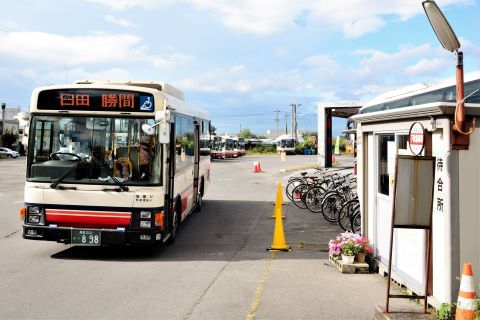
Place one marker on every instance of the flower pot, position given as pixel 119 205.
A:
pixel 347 259
pixel 360 257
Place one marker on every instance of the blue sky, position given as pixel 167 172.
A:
pixel 242 59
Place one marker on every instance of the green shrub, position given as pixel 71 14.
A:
pixel 446 311
pixel 264 149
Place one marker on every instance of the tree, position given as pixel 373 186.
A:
pixel 10 139
pixel 247 134
pixel 212 129
pixel 306 134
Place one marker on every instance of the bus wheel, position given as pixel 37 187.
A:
pixel 175 225
pixel 199 205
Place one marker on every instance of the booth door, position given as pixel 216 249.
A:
pixel 385 154
pixel 388 145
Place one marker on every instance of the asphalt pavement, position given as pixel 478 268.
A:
pixel 218 268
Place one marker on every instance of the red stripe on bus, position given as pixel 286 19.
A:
pixel 88 218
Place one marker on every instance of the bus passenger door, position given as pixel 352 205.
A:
pixel 196 167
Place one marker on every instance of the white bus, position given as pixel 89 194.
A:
pixel 217 150
pixel 241 147
pixel 222 148
pixel 112 163
pixel 205 144
pixel 286 145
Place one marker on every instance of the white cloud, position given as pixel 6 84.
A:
pixel 119 21
pixel 82 74
pixel 55 50
pixel 8 25
pixel 70 75
pixel 174 60
pixel 353 17
pixel 320 61
pixel 127 4
pixel 51 48
pixel 363 26
pixel 427 66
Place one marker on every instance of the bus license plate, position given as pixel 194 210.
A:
pixel 86 237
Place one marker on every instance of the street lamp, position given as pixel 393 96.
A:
pixel 449 41
pixel 440 25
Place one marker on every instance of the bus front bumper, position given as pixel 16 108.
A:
pixel 107 236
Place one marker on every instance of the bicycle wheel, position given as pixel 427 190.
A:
pixel 290 186
pixel 356 220
pixel 331 205
pixel 346 214
pixel 298 195
pixel 313 199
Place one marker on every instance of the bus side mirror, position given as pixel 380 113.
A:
pixel 164 132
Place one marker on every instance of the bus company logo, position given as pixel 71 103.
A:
pixel 146 104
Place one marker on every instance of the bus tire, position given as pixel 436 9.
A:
pixel 198 206
pixel 175 225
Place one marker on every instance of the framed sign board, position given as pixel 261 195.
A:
pixel 412 209
pixel 414 191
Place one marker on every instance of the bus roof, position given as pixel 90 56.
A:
pixel 160 86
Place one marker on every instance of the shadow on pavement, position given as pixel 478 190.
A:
pixel 226 231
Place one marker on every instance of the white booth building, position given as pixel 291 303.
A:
pixel 382 133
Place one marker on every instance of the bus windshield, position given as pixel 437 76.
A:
pixel 287 143
pixel 108 149
pixel 229 144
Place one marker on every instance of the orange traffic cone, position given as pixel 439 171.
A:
pixel 255 167
pixel 279 243
pixel 278 201
pixel 467 299
pixel 259 167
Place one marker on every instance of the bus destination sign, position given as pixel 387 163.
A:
pixel 95 100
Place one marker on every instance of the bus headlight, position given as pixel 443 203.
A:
pixel 145 214
pixel 145 224
pixel 35 215
pixel 33 219
pixel 34 210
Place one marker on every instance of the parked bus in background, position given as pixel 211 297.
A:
pixel 241 147
pixel 217 148
pixel 205 144
pixel 235 153
pixel 285 144
pixel 113 163
pixel 229 146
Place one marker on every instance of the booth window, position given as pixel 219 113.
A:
pixel 383 177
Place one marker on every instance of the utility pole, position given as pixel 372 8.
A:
pixel 240 128
pixel 286 122
pixel 294 121
pixel 276 118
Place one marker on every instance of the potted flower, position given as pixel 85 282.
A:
pixel 363 249
pixel 349 249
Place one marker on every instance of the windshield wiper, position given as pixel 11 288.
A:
pixel 114 179
pixel 55 183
